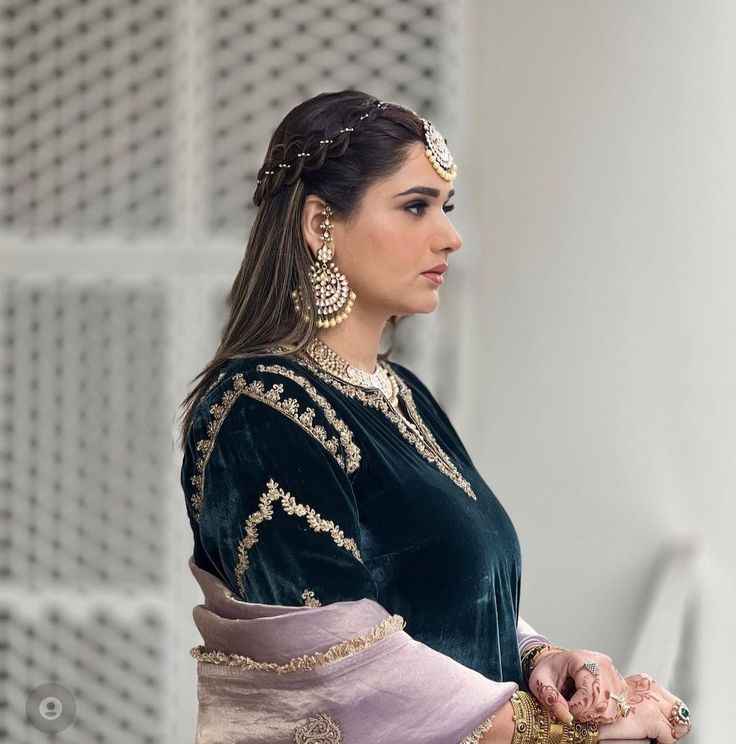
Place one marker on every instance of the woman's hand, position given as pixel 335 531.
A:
pixel 653 715
pixel 575 683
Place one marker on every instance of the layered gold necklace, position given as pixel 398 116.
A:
pixel 329 360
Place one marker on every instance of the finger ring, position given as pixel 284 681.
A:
pixel 623 704
pixel 680 715
pixel 592 667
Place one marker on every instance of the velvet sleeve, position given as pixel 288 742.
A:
pixel 276 517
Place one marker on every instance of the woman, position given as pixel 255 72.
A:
pixel 361 579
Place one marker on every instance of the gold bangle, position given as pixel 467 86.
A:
pixel 528 657
pixel 535 725
pixel 531 656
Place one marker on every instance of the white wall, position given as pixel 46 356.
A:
pixel 597 178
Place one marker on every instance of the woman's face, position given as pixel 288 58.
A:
pixel 401 230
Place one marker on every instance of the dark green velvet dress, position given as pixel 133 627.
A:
pixel 303 489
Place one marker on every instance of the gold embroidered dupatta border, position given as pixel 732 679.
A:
pixel 307 662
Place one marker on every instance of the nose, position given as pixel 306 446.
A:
pixel 453 241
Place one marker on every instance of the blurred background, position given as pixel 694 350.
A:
pixel 584 347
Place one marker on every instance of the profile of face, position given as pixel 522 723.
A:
pixel 401 230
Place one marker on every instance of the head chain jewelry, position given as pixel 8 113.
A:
pixel 436 149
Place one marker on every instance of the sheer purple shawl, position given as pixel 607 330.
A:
pixel 344 673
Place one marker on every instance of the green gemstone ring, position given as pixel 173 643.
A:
pixel 681 714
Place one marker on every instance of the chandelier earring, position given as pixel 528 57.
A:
pixel 333 297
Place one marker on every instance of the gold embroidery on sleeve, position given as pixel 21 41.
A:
pixel 424 443
pixel 309 599
pixel 290 408
pixel 477 733
pixel 319 729
pixel 306 662
pixel 290 506
pixel 218 412
pixel 346 436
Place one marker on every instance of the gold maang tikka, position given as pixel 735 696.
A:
pixel 333 297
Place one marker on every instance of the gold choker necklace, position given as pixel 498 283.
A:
pixel 336 365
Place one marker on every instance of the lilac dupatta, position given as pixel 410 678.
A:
pixel 342 673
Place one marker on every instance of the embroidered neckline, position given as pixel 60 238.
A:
pixel 415 432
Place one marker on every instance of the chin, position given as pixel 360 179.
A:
pixel 413 302
pixel 419 308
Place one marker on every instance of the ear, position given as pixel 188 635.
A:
pixel 311 218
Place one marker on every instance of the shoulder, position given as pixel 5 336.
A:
pixel 267 395
pixel 275 380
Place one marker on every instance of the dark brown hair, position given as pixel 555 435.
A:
pixel 334 145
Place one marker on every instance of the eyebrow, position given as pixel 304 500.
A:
pixel 425 190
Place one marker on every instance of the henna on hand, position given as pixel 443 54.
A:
pixel 639 690
pixel 547 694
pixel 586 703
pixel 584 696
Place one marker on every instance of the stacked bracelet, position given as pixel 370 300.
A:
pixel 534 725
pixel 529 658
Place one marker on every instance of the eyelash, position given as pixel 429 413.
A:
pixel 424 205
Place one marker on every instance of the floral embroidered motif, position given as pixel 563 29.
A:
pixel 290 408
pixel 352 450
pixel 477 733
pixel 425 443
pixel 319 729
pixel 290 506
pixel 307 662
pixel 309 599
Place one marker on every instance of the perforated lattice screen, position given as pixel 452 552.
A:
pixel 86 114
pixel 110 666
pixel 84 433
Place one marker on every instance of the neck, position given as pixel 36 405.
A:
pixel 357 338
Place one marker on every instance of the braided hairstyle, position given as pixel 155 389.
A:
pixel 335 146
pixel 301 153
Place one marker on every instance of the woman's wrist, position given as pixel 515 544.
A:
pixel 531 657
